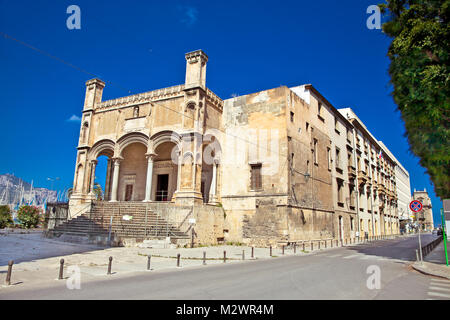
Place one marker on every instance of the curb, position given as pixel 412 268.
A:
pixel 430 273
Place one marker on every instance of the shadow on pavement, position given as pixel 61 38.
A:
pixel 400 248
pixel 33 246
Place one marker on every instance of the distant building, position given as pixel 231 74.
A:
pixel 446 206
pixel 425 217
pixel 403 193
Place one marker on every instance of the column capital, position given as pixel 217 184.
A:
pixel 117 160
pixel 94 161
pixel 150 156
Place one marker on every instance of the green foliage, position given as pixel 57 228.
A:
pixel 30 216
pixel 98 191
pixel 419 71
pixel 5 217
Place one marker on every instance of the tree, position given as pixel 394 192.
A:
pixel 98 191
pixel 29 216
pixel 5 217
pixel 419 71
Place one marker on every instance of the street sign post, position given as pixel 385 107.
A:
pixel 416 206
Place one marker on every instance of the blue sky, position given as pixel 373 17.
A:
pixel 137 46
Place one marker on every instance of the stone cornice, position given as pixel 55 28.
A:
pixel 150 96
pixel 155 96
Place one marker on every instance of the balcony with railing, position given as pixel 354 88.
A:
pixel 362 177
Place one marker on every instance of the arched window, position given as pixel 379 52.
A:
pixel 84 131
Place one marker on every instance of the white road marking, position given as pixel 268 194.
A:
pixel 437 294
pixel 447 282
pixel 335 256
pixel 351 257
pixel 439 289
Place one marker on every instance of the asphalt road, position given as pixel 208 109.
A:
pixel 340 273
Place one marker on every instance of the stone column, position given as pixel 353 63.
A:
pixel 115 179
pixel 91 187
pixel 212 192
pixel 149 181
pixel 108 179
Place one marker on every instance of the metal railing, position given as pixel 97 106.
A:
pixel 426 249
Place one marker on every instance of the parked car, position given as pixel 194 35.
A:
pixel 435 231
pixel 439 232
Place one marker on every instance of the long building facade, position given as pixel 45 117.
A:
pixel 282 164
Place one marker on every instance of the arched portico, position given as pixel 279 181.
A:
pixel 102 148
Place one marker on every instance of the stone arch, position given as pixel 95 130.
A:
pixel 165 136
pixel 102 148
pixel 129 138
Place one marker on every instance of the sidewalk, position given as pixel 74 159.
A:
pixel 36 259
pixel 434 263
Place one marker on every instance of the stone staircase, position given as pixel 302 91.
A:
pixel 93 226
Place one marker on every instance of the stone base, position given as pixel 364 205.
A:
pixel 188 197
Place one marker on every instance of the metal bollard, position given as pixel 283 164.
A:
pixel 325 244
pixel 282 250
pixel 312 246
pixel 253 252
pixel 331 243
pixel 295 248
pixel 8 275
pixel 224 256
pixel 243 254
pixel 303 246
pixel 270 250
pixel 110 265
pixel 204 258
pixel 149 257
pixel 61 269
pixel 178 260
pixel 319 245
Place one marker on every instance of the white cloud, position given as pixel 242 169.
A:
pixel 190 15
pixel 74 118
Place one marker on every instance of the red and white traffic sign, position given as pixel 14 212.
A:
pixel 416 206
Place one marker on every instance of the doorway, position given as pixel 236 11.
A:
pixel 162 187
pixel 128 192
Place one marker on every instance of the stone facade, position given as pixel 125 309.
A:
pixel 424 217
pixel 279 165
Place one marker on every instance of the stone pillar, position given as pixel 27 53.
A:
pixel 108 179
pixel 149 181
pixel 91 187
pixel 213 190
pixel 115 179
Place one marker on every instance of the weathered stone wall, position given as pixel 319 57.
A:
pixel 209 220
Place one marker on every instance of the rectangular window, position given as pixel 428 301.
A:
pixel 339 191
pixel 292 116
pixel 338 158
pixel 315 152
pixel 256 181
pixel 352 196
pixel 329 158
